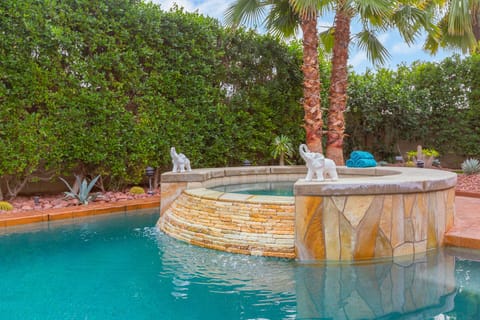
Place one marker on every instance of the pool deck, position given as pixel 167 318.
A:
pixel 466 229
pixel 465 232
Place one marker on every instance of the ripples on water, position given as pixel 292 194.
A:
pixel 120 267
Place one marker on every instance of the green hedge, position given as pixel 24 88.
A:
pixel 437 104
pixel 107 87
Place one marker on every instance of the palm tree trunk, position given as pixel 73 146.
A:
pixel 476 26
pixel 338 88
pixel 313 121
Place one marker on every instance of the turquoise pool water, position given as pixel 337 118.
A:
pixel 277 188
pixel 120 267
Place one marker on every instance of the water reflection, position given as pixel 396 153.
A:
pixel 417 290
pixel 420 289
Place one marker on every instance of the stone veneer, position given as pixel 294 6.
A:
pixel 230 222
pixel 367 213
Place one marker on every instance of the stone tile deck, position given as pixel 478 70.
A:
pixel 466 229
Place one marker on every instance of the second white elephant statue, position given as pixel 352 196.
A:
pixel 180 161
pixel 318 165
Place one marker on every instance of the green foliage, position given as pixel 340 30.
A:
pixel 426 152
pixel 84 188
pixel 107 87
pixel 436 104
pixel 282 147
pixel 136 190
pixel 471 166
pixel 6 206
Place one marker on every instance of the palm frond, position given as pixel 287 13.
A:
pixel 327 39
pixel 408 20
pixel 310 8
pixel 459 18
pixel 282 21
pixel 376 51
pixel 374 11
pixel 249 12
pixel 432 42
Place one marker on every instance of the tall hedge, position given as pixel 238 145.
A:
pixel 434 103
pixel 107 87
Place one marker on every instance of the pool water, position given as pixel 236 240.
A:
pixel 277 188
pixel 120 267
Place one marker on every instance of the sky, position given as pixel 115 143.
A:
pixel 400 52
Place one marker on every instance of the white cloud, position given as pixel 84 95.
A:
pixel 383 38
pixel 358 59
pixel 404 49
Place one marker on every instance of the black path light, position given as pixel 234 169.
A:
pixel 149 171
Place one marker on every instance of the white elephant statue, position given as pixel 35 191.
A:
pixel 180 161
pixel 318 165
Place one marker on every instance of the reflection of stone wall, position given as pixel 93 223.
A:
pixel 360 227
pixel 424 288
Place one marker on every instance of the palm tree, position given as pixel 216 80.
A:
pixel 282 147
pixel 457 25
pixel 374 15
pixel 281 19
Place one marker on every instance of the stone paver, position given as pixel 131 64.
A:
pixel 466 229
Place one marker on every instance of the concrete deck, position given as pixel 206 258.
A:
pixel 466 229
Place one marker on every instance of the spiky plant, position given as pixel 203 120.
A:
pixel 471 166
pixel 6 206
pixel 83 194
pixel 136 190
pixel 282 147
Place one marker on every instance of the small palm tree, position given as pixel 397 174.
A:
pixel 282 146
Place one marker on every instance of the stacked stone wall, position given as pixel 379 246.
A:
pixel 251 226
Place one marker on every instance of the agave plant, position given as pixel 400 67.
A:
pixel 471 166
pixel 83 194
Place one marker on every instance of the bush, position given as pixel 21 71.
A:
pixel 6 206
pixel 136 190
pixel 471 166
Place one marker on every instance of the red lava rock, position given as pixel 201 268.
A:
pixel 24 203
pixel 470 183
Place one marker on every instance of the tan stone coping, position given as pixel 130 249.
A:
pixel 201 175
pixel 15 219
pixel 379 180
pixel 246 198
pixel 359 181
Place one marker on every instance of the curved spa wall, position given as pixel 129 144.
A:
pixel 368 213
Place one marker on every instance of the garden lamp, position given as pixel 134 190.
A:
pixel 149 171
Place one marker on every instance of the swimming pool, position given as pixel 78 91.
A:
pixel 276 188
pixel 120 267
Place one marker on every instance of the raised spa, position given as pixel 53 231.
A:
pixel 368 213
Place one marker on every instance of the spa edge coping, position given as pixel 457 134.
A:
pixel 381 180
